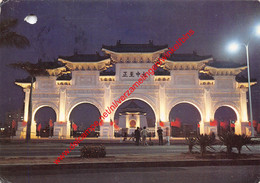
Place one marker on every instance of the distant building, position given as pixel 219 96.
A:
pixel 17 116
pixel 132 116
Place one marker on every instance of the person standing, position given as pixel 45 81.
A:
pixel 140 129
pixel 125 136
pixel 144 134
pixel 160 135
pixel 137 136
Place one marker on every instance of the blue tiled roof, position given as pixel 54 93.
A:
pixel 188 57
pixel 85 57
pixel 144 48
pixel 225 64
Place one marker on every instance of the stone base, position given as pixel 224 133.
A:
pixel 106 131
pixel 21 131
pixel 205 128
pixel 166 125
pixel 246 129
pixel 61 130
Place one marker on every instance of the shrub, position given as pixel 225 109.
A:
pixel 231 140
pixel 228 139
pixel 205 141
pixel 240 141
pixel 93 151
pixel 191 141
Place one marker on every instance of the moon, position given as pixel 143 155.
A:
pixel 31 19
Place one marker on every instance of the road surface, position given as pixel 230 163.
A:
pixel 220 174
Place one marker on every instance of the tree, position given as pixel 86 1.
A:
pixel 38 69
pixel 10 38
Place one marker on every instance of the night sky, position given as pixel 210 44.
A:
pixel 65 26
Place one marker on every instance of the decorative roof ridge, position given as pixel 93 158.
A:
pixel 25 80
pixel 240 67
pixel 87 57
pixel 188 57
pixel 132 106
pixel 134 47
pixel 243 79
pixel 226 65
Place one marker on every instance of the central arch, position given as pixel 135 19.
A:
pixel 145 99
pixel 128 122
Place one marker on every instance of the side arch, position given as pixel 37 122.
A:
pixel 232 105
pixel 78 101
pixel 37 106
pixel 193 102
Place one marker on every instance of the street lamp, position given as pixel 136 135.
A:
pixel 2 2
pixel 234 47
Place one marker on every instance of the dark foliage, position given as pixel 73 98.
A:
pixel 37 69
pixel 191 141
pixel 93 151
pixel 231 140
pixel 205 141
pixel 10 38
pixel 242 140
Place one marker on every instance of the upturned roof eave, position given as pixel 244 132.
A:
pixel 82 62
pixel 152 52
pixel 225 68
pixel 190 61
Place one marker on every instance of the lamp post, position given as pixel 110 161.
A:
pixel 234 47
pixel 2 2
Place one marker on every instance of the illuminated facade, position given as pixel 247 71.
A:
pixel 183 78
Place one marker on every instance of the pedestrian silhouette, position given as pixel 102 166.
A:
pixel 137 136
pixel 160 135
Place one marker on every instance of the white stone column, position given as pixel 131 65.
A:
pixel 162 101
pixel 106 130
pixel 243 105
pixel 208 115
pixel 33 129
pixel 162 109
pixel 21 130
pixel 107 101
pixel 241 126
pixel 62 126
pixel 26 103
pixel 62 105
